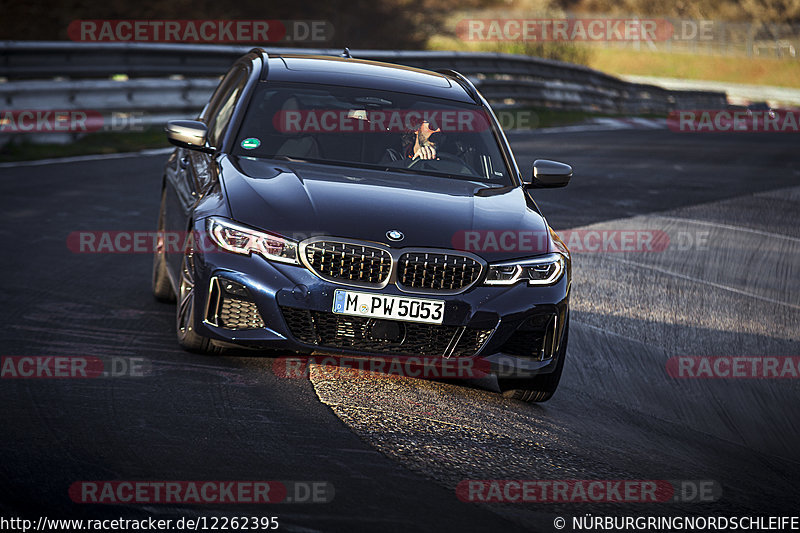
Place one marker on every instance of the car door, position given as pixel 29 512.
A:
pixel 191 173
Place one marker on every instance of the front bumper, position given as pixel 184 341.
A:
pixel 517 329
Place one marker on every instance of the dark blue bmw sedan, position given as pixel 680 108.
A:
pixel 328 204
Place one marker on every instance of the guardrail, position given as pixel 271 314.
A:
pixel 78 75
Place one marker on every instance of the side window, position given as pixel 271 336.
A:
pixel 224 83
pixel 222 108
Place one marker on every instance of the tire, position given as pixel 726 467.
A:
pixel 188 338
pixel 538 388
pixel 162 288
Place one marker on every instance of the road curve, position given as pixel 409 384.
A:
pixel 396 448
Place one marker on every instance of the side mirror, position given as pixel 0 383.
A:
pixel 191 134
pixel 549 174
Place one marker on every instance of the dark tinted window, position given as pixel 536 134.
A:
pixel 223 105
pixel 370 128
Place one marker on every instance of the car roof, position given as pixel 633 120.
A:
pixel 331 70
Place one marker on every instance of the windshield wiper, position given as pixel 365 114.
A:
pixel 291 159
pixel 404 170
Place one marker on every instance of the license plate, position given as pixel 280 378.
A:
pixel 388 306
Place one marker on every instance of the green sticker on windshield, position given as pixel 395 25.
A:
pixel 251 143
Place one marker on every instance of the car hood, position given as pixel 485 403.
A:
pixel 300 200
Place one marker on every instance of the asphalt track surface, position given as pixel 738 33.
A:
pixel 395 448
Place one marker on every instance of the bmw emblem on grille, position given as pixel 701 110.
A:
pixel 394 235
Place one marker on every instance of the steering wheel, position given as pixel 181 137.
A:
pixel 444 157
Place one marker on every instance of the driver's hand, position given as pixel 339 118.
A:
pixel 425 152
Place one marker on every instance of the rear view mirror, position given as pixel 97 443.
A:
pixel 549 174
pixel 191 134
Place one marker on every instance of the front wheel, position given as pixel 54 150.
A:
pixel 162 288
pixel 538 388
pixel 188 338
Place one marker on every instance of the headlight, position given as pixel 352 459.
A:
pixel 243 240
pixel 543 270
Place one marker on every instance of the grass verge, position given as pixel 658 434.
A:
pixel 731 69
pixel 91 144
pixel 619 61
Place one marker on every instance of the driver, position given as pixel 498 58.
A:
pixel 415 144
pixel 418 144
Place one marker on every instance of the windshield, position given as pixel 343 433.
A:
pixel 371 129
